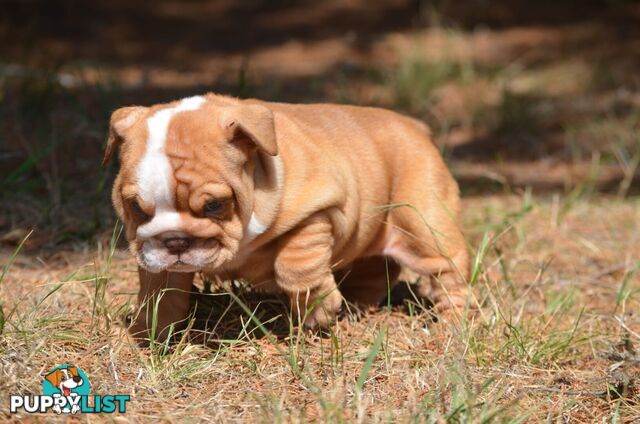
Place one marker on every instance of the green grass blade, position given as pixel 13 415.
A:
pixel 366 368
pixel 13 257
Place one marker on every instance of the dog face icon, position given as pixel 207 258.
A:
pixel 65 389
pixel 65 379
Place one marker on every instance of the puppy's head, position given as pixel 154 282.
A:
pixel 68 377
pixel 185 188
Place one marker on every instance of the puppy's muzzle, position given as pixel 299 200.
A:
pixel 177 245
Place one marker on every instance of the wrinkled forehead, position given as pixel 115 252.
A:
pixel 193 134
pixel 175 130
pixel 151 132
pixel 154 171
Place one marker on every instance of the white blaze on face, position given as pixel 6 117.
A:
pixel 155 174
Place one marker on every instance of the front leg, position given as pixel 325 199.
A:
pixel 303 271
pixel 170 291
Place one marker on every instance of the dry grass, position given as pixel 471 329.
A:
pixel 556 337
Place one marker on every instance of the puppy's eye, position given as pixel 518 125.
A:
pixel 214 208
pixel 138 212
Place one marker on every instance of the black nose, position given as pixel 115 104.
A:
pixel 177 245
pixel 77 379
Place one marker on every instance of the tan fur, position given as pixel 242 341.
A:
pixel 358 183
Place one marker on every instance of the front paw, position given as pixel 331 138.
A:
pixel 140 333
pixel 322 309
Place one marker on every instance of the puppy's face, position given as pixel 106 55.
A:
pixel 185 185
pixel 67 378
pixel 70 378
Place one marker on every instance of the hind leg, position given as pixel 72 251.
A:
pixel 442 279
pixel 425 238
pixel 368 280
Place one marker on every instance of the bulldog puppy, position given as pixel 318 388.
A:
pixel 287 197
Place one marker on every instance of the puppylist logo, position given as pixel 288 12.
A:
pixel 66 390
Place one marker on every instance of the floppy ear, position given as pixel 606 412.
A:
pixel 255 122
pixel 54 378
pixel 73 371
pixel 121 120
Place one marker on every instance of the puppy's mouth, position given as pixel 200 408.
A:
pixel 179 266
pixel 153 256
pixel 66 391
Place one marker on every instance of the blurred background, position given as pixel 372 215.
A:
pixel 520 94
